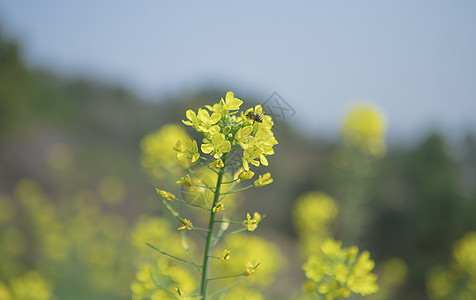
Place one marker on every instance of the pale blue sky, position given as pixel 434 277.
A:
pixel 415 59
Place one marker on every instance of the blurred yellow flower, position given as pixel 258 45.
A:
pixel 158 155
pixel 251 249
pixel 30 286
pixel 439 282
pixel 338 271
pixel 313 212
pixel 364 127
pixel 464 253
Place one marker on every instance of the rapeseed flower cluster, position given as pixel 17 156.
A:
pixel 158 155
pixel 337 272
pixel 63 236
pixel 313 214
pixel 232 143
pixel 458 280
pixel 364 128
pixel 29 286
pixel 224 131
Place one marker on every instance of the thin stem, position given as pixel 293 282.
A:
pixel 191 204
pixel 224 277
pixel 233 232
pixel 227 287
pixel 229 222
pixel 211 224
pixel 205 165
pixel 174 257
pixel 239 190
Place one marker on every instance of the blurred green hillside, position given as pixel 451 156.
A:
pixel 71 134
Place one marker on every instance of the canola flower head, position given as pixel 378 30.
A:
pixel 364 127
pixel 339 271
pixel 222 130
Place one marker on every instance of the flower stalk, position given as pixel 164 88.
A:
pixel 211 225
pixel 230 139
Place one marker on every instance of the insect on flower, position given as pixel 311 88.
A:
pixel 254 116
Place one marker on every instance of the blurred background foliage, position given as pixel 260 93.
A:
pixel 75 196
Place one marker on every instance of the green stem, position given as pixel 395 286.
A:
pixel 208 244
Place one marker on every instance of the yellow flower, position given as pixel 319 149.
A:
pixel 243 136
pixel 165 195
pixel 218 207
pixel 186 224
pixel 225 256
pixel 31 286
pixel 245 175
pixel 364 128
pixel 216 145
pixel 189 150
pixel 187 181
pixel 230 102
pixel 263 180
pixel 192 119
pixel 337 272
pixel 158 155
pixel 313 213
pixel 252 224
pixel 250 269
pixel 314 268
pixel 464 253
pixel 217 164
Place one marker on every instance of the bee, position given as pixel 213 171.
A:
pixel 254 116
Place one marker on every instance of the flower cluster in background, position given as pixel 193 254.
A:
pixel 364 127
pixel 458 280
